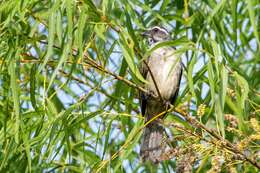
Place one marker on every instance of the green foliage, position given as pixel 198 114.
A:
pixel 69 84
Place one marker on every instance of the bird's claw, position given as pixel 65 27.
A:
pixel 167 104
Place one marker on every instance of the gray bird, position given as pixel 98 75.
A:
pixel 166 69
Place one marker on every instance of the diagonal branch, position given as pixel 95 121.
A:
pixel 228 145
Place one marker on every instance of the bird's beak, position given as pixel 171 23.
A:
pixel 146 33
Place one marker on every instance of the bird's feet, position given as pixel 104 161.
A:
pixel 167 104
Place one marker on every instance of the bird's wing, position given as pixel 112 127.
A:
pixel 143 68
pixel 175 94
pixel 143 97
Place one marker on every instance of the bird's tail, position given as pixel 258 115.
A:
pixel 153 144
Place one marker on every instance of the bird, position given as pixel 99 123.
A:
pixel 162 71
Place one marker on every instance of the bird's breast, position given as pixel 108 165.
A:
pixel 166 69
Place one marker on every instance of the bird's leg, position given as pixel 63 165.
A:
pixel 167 104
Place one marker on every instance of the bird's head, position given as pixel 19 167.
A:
pixel 156 34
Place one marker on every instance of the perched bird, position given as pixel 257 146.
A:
pixel 163 71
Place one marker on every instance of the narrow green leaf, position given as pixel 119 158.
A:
pixel 211 80
pixel 107 136
pixel 51 109
pixel 69 17
pixel 100 30
pixel 81 26
pixel 189 75
pixel 122 72
pixel 232 105
pixel 27 151
pixel 32 86
pixel 224 82
pixel 217 56
pixel 219 116
pixel 92 12
pixel 250 8
pixel 178 42
pixel 221 100
pixel 63 58
pixel 146 8
pixel 6 99
pixel 59 29
pixel 127 49
pixel 241 99
pixel 130 29
pixel 15 94
pixel 164 5
pixel 216 10
pixel 234 19
pixel 51 35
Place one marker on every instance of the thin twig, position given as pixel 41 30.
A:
pixel 188 117
pixel 228 145
pixel 102 69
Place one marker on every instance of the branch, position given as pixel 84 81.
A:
pixel 228 145
pixel 101 90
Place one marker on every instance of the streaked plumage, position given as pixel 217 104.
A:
pixel 167 70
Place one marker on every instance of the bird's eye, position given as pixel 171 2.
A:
pixel 156 29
